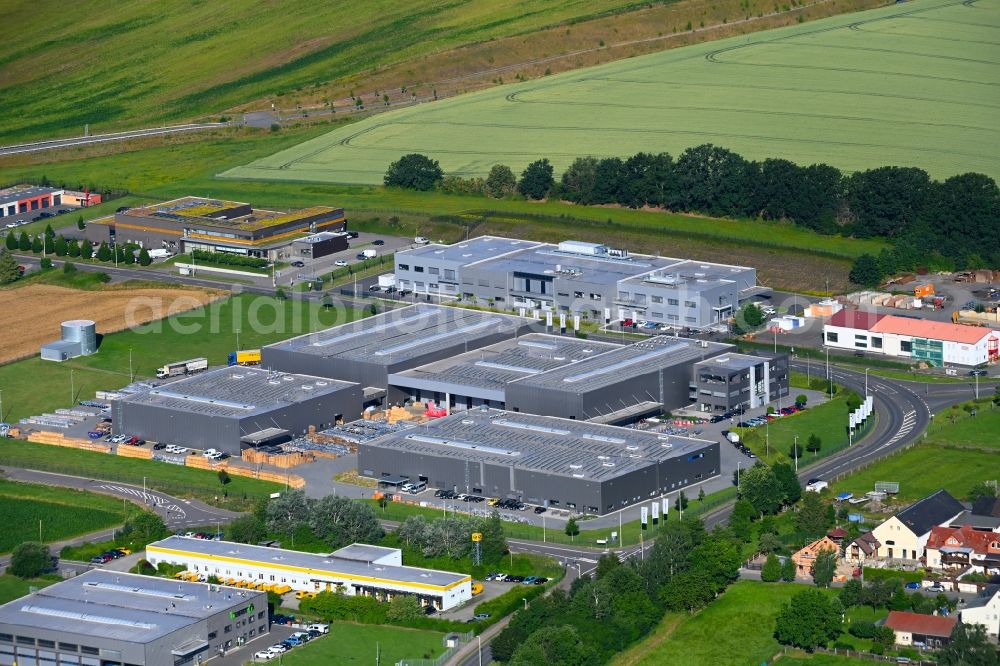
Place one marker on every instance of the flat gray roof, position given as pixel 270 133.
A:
pixel 330 565
pixel 402 334
pixel 493 367
pixel 122 606
pixel 470 251
pixel 363 552
pixel 690 275
pixel 547 444
pixel 733 361
pixel 614 366
pixel 13 195
pixel 236 392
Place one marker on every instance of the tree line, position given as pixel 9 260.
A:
pixel 947 224
pixel 50 243
pixel 621 602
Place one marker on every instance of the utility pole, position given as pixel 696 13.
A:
pixel 131 375
pixel 72 389
pixel 795 450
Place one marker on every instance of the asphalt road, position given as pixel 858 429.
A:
pixel 104 138
pixel 177 513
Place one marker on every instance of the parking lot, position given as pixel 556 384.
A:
pixel 312 268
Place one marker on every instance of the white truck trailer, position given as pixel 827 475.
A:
pixel 182 368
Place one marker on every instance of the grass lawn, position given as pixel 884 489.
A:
pixel 798 658
pixel 171 479
pixel 12 587
pixel 63 513
pixel 851 74
pixel 924 469
pixel 33 386
pixel 734 629
pixel 979 431
pixel 349 643
pixel 828 421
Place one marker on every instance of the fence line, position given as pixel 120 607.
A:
pixel 444 657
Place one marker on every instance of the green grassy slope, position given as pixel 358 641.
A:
pixel 910 84
pixel 150 61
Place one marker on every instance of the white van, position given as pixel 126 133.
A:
pixel 420 240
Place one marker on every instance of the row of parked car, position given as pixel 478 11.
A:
pixel 500 577
pixel 109 555
pixel 41 216
pixel 293 641
pixel 509 504
pixel 764 418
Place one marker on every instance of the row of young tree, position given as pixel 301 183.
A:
pixel 622 601
pixel 950 222
pixel 61 247
pixel 452 537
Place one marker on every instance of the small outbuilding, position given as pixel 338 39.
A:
pixel 79 338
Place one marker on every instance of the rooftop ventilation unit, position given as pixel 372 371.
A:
pixel 532 427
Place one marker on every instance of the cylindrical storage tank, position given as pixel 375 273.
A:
pixel 83 331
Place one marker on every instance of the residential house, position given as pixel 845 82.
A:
pixel 805 558
pixel 837 535
pixel 904 536
pixel 956 548
pixel 984 611
pixel 920 630
pixel 862 549
pixel 985 515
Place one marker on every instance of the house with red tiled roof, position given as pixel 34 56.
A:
pixel 934 342
pixel 951 548
pixel 920 630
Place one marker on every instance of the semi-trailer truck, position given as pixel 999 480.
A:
pixel 245 357
pixel 182 368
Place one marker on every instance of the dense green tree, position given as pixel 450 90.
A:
pixel 791 490
pixel 609 180
pixel 713 180
pixel 769 542
pixel 414 172
pixel 887 201
pixel 852 593
pixel 807 621
pixel 553 646
pixel 814 443
pixel 759 486
pixel 968 647
pixel 144 258
pixel 119 254
pixel 39 245
pixel 86 250
pixel 11 241
pixel 104 252
pixel 69 267
pixel 9 270
pixel 809 196
pixel 500 182
pixel 740 519
pixel 50 233
pixel 771 571
pixel 45 263
pixel 30 560
pixel 866 271
pixel 536 180
pixel 247 528
pixel 681 503
pixel 824 567
pixel 404 607
pixel 146 526
pixel 493 545
pixel 73 248
pixel 671 552
pixel 340 521
pixel 811 516
pixel 748 318
pixel 961 219
pixel 61 247
pixel 80 224
pixel 579 181
pixel 23 242
pixel 982 489
pixel 788 570
pixel 285 513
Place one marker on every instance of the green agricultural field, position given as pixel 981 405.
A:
pixel 33 386
pixel 63 513
pixel 979 431
pixel 174 480
pixel 152 62
pixel 912 84
pixel 350 643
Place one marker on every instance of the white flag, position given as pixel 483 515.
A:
pixel 666 506
pixel 645 516
pixel 656 512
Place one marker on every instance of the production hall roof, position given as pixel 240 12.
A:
pixel 15 194
pixel 615 365
pixel 733 361
pixel 236 391
pixel 121 606
pixel 491 368
pixel 541 443
pixel 400 335
pixel 354 565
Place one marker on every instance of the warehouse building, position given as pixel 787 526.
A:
pixel 25 200
pixel 542 460
pixel 212 225
pixel 617 386
pixel 933 342
pixel 320 245
pixel 368 350
pixel 356 570
pixel 587 279
pixel 235 407
pixel 102 617
pixel 739 381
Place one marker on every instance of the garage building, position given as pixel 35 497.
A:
pixel 542 460
pixel 104 617
pixel 24 200
pixel 224 407
pixel 357 570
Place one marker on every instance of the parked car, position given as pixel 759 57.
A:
pixel 539 509
pixel 263 655
pixel 100 559
pixel 352 234
pixel 420 240
pixel 479 617
pixel 541 580
pixel 977 373
pixel 429 609
pixel 913 586
pixel 278 648
pixel 321 628
pixel 378 241
pixel 298 264
pixel 159 446
pixel 292 640
pixel 340 262
pixel 936 587
pixel 627 323
pixel 529 580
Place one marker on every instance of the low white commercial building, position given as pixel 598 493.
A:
pixel 934 342
pixel 358 569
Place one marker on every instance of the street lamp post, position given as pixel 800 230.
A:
pixel 866 381
pixel 738 464
pixel 795 450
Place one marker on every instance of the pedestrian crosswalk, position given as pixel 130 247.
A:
pixel 172 510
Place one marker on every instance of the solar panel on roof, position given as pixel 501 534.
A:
pixel 86 617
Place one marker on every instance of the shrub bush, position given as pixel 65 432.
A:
pixel 226 259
